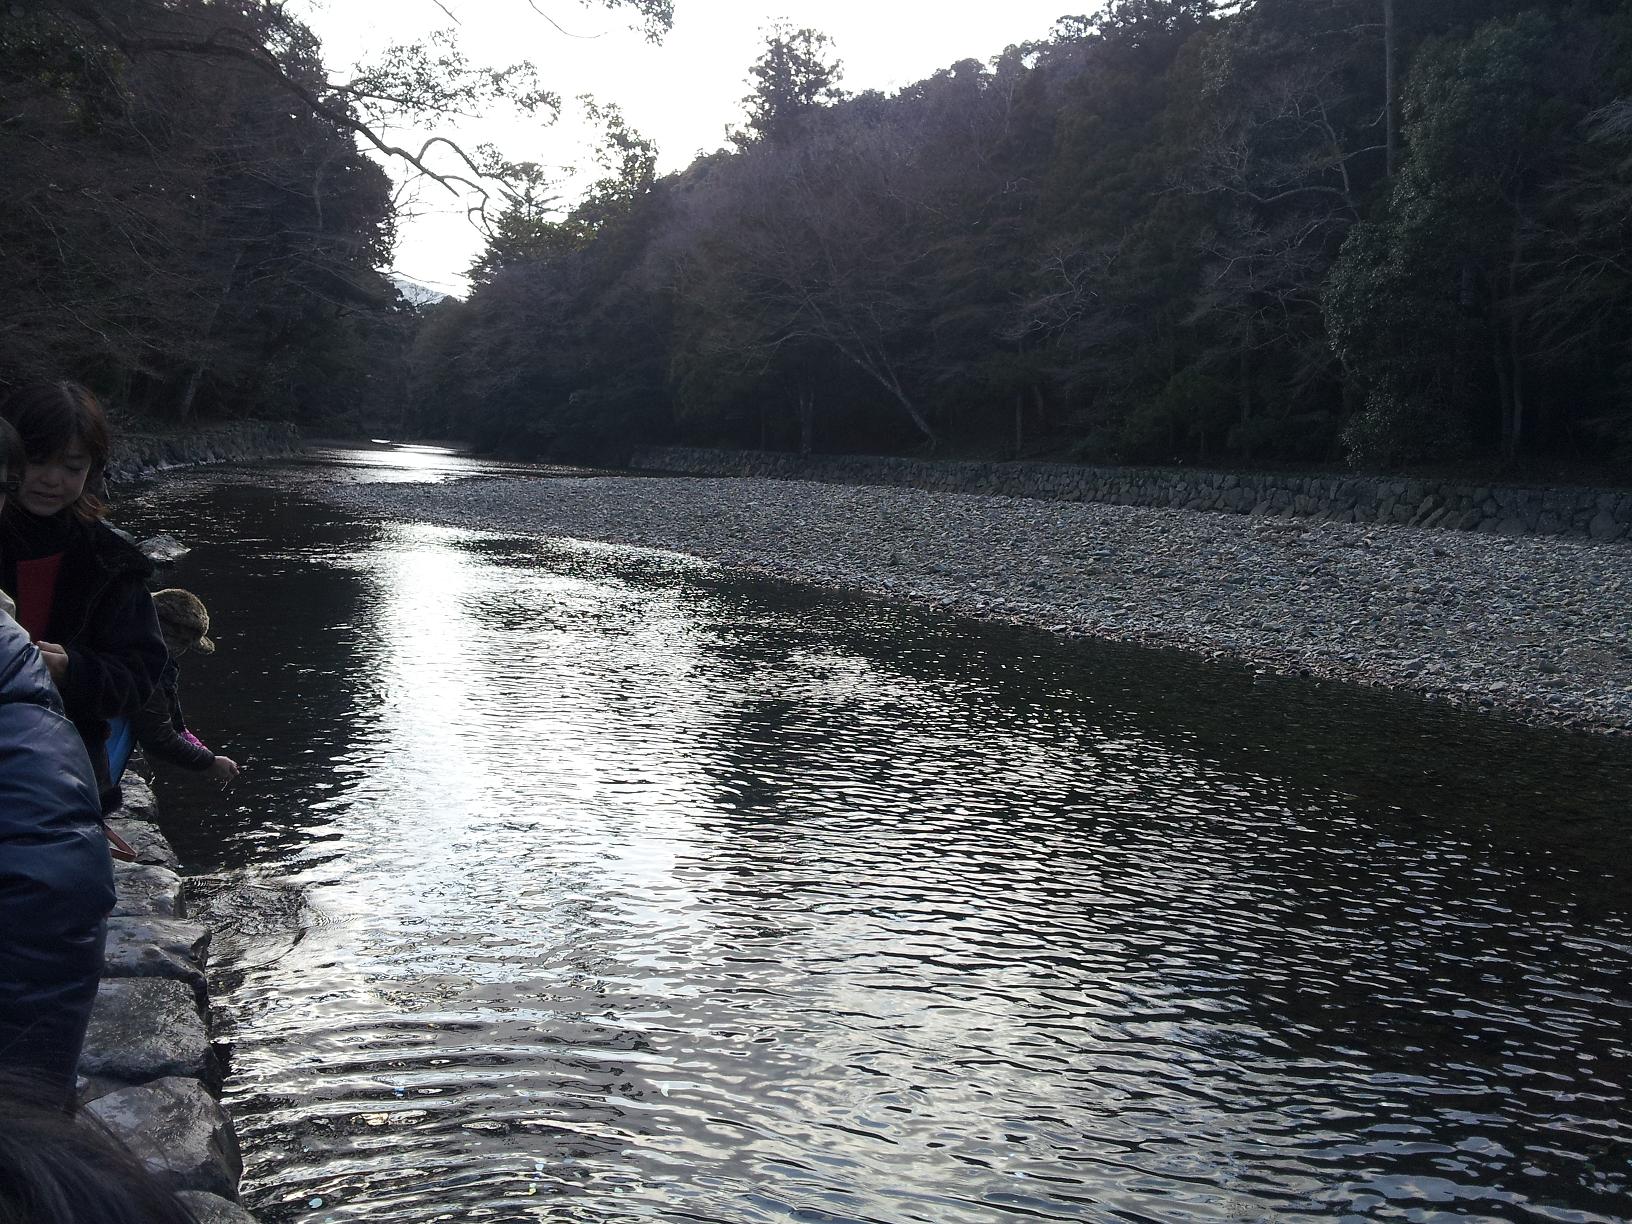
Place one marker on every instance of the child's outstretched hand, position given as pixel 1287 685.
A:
pixel 55 658
pixel 223 770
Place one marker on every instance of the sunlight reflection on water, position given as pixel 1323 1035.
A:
pixel 633 891
pixel 411 464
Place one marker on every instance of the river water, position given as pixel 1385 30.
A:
pixel 585 883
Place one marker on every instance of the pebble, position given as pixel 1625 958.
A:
pixel 1540 627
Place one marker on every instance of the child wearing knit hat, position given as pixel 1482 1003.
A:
pixel 160 728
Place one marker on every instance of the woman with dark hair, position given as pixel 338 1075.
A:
pixel 80 587
pixel 56 881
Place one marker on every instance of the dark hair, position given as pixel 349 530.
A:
pixel 72 1170
pixel 51 417
pixel 13 454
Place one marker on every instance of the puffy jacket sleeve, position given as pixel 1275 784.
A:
pixel 56 878
pixel 55 873
pixel 114 668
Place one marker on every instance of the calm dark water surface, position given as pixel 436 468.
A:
pixel 583 883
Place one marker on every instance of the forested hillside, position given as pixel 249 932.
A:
pixel 1382 232
pixel 1288 231
pixel 188 219
pixel 178 229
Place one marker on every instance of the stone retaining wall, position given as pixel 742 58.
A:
pixel 1596 514
pixel 149 1072
pixel 139 455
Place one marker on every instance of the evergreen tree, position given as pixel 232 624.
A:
pixel 794 75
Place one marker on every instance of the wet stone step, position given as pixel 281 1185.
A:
pixel 148 1028
pixel 144 837
pixel 144 947
pixel 147 891
pixel 178 1130
pixel 213 1209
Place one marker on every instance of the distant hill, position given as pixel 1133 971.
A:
pixel 414 292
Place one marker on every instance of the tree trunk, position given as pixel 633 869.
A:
pixel 1516 426
pixel 924 427
pixel 1243 388
pixel 807 420
pixel 882 374
pixel 1390 126
pixel 1504 385
pixel 1462 380
pixel 1019 423
pixel 189 392
pixel 1514 430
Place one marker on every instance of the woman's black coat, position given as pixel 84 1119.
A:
pixel 103 615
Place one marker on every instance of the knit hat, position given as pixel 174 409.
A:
pixel 183 614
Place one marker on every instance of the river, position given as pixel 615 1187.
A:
pixel 567 881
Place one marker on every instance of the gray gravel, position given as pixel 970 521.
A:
pixel 1540 628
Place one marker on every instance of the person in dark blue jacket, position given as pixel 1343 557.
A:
pixel 56 877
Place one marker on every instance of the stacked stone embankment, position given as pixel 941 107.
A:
pixel 149 1071
pixel 1510 510
pixel 138 454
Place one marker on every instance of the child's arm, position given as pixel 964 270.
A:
pixel 157 732
pixel 112 671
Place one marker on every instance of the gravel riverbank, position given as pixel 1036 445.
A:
pixel 1540 628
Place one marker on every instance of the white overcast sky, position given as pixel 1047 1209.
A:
pixel 682 93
